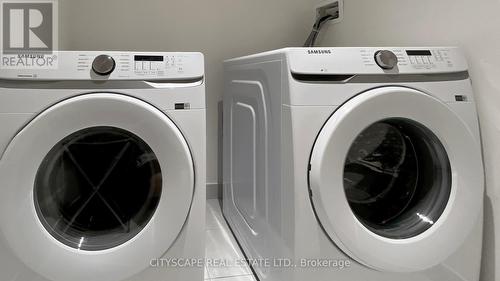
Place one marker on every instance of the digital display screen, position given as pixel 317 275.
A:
pixel 418 53
pixel 148 58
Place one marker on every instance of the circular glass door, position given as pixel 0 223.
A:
pixel 396 179
pixel 97 188
pixel 99 180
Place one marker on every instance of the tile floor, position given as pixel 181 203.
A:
pixel 222 250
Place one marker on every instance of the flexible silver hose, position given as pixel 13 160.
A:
pixel 318 25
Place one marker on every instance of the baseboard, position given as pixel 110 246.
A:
pixel 214 191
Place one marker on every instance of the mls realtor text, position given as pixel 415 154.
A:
pixel 29 60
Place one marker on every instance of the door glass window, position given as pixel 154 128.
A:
pixel 397 178
pixel 97 188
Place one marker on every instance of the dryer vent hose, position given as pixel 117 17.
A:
pixel 318 25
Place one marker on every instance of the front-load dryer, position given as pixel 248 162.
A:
pixel 102 170
pixel 354 164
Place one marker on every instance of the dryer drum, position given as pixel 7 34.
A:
pixel 97 188
pixel 397 178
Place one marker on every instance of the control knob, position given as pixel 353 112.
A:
pixel 386 59
pixel 103 65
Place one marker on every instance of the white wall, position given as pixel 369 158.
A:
pixel 221 29
pixel 472 25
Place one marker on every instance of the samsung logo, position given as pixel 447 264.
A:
pixel 319 52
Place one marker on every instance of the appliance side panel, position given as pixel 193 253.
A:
pixel 252 147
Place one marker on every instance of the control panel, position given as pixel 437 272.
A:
pixel 419 59
pixel 115 66
pixel 151 65
pixel 429 59
pixel 381 60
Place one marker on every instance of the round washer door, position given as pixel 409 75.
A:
pixel 94 188
pixel 396 179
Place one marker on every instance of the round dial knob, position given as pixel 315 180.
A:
pixel 103 65
pixel 386 59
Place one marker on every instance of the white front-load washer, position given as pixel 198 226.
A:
pixel 102 169
pixel 354 164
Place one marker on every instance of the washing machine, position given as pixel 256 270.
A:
pixel 354 164
pixel 102 168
